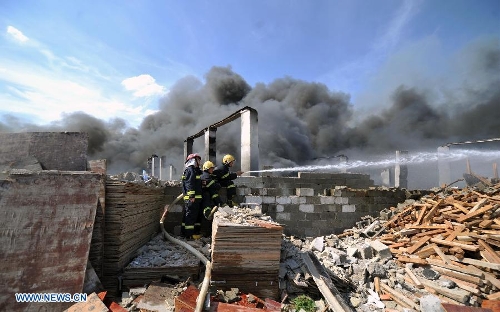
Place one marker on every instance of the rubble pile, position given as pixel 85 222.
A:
pixel 158 258
pixel 442 249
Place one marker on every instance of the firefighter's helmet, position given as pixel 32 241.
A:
pixel 227 159
pixel 207 165
pixel 191 156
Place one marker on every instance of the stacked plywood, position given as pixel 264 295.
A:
pixel 246 255
pixel 456 233
pixel 132 217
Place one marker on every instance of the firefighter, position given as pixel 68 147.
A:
pixel 210 190
pixel 226 177
pixel 192 189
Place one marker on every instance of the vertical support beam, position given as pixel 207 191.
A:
pixel 343 162
pixel 495 171
pixel 171 172
pixel 210 145
pixel 152 167
pixel 386 177
pixel 249 141
pixel 444 167
pixel 401 170
pixel 467 164
pixel 188 148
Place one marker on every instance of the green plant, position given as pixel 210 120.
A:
pixel 305 303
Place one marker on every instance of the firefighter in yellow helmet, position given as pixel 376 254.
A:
pixel 225 177
pixel 210 190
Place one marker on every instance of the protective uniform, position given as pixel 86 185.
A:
pixel 210 190
pixel 192 188
pixel 225 178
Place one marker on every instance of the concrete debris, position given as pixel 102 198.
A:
pixel 441 249
pixel 159 252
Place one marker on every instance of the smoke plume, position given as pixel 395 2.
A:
pixel 300 121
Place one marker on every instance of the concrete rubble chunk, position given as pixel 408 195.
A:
pixel 318 244
pixel 381 249
pixel 431 303
pixel 366 251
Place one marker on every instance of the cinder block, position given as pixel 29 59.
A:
pixel 280 208
pixel 366 251
pixel 327 199
pixel 381 249
pixel 283 216
pixel 348 208
pixel 253 199
pixel 268 199
pixel 242 191
pixel 283 200
pixel 308 208
pixel 298 200
pixel 313 200
pixel 304 191
pixel 341 200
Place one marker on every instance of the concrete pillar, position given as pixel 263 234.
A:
pixel 444 166
pixel 249 142
pixel 210 150
pixel 386 177
pixel 172 172
pixel 343 161
pixel 401 170
pixel 188 148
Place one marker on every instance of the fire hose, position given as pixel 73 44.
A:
pixel 208 265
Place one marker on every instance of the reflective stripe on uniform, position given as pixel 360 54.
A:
pixel 189 227
pixel 210 184
pixel 215 195
pixel 198 177
pixel 225 176
pixel 230 186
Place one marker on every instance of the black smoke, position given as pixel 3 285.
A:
pixel 299 121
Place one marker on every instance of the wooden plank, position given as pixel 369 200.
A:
pixel 478 212
pixel 432 212
pixel 441 254
pixel 477 273
pixel 454 244
pixel 413 277
pixel 487 247
pixel 455 233
pixel 335 301
pixel 412 260
pixel 484 264
pixel 418 244
pixel 459 275
pixel 459 295
pixel 400 296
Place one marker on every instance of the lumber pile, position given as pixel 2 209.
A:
pixel 455 233
pixel 132 215
pixel 246 252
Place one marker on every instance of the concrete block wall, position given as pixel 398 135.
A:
pixel 312 204
pixel 318 204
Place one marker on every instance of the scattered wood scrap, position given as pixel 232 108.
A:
pixel 457 234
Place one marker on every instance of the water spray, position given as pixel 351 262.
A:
pixel 418 158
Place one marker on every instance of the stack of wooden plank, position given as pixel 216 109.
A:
pixel 456 233
pixel 246 256
pixel 132 216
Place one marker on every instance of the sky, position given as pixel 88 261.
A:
pixel 326 76
pixel 117 58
